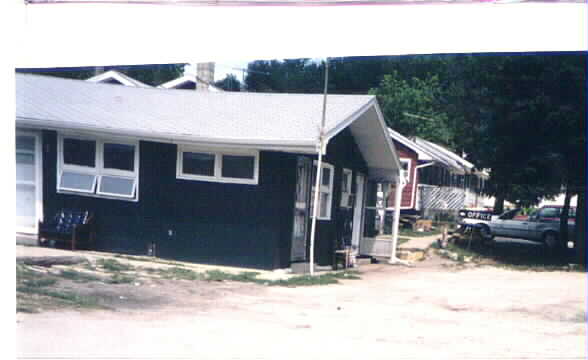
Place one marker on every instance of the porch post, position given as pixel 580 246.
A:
pixel 400 183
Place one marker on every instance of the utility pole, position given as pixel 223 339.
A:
pixel 321 146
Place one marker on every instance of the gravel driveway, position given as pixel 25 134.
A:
pixel 431 311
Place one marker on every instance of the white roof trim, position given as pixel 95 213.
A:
pixel 120 77
pixel 388 140
pixel 307 147
pixel 386 174
pixel 441 156
pixel 452 155
pixel 172 84
pixel 178 81
pixel 423 155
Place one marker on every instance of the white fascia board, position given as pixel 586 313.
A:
pixel 344 124
pixel 292 146
pixel 179 81
pixel 111 74
pixel 421 153
pixel 350 119
pixel 441 157
pixel 388 140
pixel 453 155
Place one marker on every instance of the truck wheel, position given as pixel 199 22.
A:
pixel 551 240
pixel 486 235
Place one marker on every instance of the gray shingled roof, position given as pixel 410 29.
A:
pixel 452 161
pixel 287 122
pixel 245 117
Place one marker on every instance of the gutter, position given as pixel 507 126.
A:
pixel 307 147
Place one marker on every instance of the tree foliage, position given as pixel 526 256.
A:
pixel 522 116
pixel 412 107
pixel 153 75
pixel 229 83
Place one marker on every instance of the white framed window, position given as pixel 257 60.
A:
pixel 346 196
pixel 233 166
pixel 325 190
pixel 98 167
pixel 405 164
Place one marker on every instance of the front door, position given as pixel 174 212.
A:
pixel 28 182
pixel 301 209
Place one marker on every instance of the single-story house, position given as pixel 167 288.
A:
pixel 220 178
pixel 202 81
pixel 452 183
pixel 412 158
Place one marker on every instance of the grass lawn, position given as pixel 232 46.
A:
pixel 515 255
pixel 67 286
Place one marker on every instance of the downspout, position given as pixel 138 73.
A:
pixel 322 145
pixel 400 183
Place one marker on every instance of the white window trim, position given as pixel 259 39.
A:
pixel 98 170
pixel 324 189
pixel 218 159
pixel 38 182
pixel 409 162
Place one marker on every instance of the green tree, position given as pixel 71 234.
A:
pixel 508 113
pixel 413 108
pixel 153 75
pixel 229 83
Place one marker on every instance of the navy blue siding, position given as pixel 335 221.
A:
pixel 342 152
pixel 216 223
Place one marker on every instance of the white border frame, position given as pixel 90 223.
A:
pixel 218 159
pixel 38 179
pixel 98 170
pixel 409 162
pixel 324 188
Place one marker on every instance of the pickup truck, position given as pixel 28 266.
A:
pixel 540 226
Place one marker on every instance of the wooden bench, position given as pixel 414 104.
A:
pixel 66 227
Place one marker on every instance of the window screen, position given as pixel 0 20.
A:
pixel 238 166
pixel 326 176
pixel 198 163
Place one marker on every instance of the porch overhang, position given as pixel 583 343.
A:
pixel 371 135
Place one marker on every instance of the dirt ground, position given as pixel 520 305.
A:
pixel 430 311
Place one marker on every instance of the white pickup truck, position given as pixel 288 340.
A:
pixel 540 226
